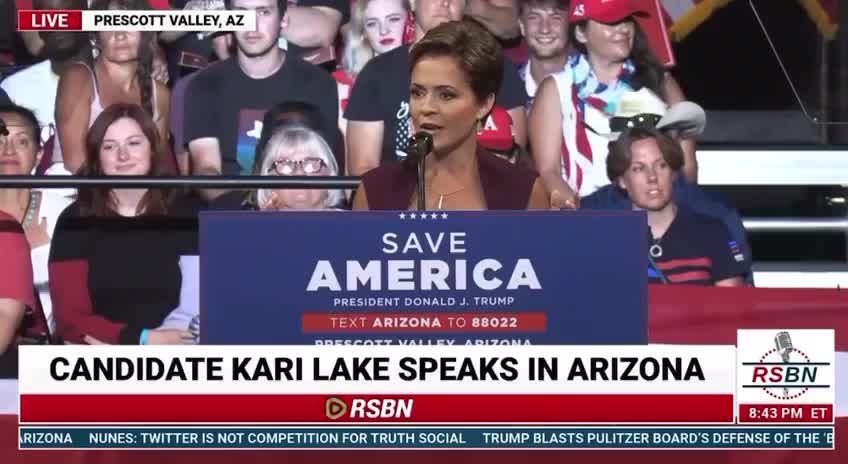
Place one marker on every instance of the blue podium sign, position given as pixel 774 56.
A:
pixel 452 277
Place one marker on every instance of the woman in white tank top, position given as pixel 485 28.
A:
pixel 569 121
pixel 121 73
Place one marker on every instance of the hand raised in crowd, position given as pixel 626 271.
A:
pixel 36 233
pixel 272 202
pixel 561 201
pixel 169 337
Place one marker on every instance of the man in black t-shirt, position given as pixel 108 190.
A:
pixel 310 33
pixel 313 26
pixel 378 129
pixel 225 103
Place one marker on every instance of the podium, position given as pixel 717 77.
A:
pixel 436 277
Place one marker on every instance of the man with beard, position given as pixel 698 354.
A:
pixel 226 102
pixel 35 87
pixel 544 25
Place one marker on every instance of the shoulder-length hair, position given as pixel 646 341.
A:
pixel 100 201
pixel 357 51
pixel 649 73
pixel 295 137
pixel 620 154
pixel 146 48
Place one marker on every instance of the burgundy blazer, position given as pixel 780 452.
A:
pixel 505 186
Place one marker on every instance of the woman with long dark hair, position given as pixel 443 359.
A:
pixel 120 73
pixel 114 263
pixel 570 121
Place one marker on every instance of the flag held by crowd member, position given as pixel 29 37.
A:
pixel 685 15
pixel 825 13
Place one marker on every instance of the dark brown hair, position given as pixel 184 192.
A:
pixel 618 160
pixel 474 48
pixel 649 73
pixel 146 48
pixel 99 201
pixel 523 5
pixel 29 117
pixel 282 6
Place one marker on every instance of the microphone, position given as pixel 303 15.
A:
pixel 419 146
pixel 783 343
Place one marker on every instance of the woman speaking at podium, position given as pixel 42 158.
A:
pixel 456 72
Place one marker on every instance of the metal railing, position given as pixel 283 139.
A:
pixel 762 225
pixel 773 225
pixel 204 182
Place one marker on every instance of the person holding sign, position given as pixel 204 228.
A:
pixel 684 247
pixel 456 71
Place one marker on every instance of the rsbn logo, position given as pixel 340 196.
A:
pixel 785 372
pixel 373 408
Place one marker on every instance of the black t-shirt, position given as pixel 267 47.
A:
pixel 4 98
pixel 381 93
pixel 183 52
pixel 342 6
pixel 7 24
pixel 224 103
pixel 133 273
pixel 697 250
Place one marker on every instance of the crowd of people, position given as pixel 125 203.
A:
pixel 531 104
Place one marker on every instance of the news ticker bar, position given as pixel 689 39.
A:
pixel 133 20
pixel 336 437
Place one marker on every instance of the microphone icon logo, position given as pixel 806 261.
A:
pixel 783 343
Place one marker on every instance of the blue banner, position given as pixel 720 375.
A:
pixel 482 277
pixel 401 437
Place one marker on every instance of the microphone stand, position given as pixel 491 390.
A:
pixel 422 203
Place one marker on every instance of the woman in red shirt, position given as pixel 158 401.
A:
pixel 16 291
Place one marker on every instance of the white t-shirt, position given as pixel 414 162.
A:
pixel 35 88
pixel 53 202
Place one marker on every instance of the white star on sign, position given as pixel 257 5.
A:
pixel 444 215
pixel 423 216
pixel 434 216
pixel 411 215
pixel 402 216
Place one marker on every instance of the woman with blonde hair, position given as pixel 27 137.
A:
pixel 296 150
pixel 376 27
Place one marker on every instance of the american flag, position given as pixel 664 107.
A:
pixel 683 16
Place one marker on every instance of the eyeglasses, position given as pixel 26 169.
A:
pixel 641 121
pixel 287 167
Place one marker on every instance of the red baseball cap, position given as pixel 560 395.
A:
pixel 605 11
pixel 496 133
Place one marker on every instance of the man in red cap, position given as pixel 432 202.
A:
pixel 497 136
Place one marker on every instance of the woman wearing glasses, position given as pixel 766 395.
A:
pixel 296 150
